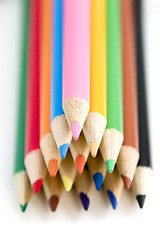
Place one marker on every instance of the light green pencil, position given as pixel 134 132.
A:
pixel 113 135
pixel 20 178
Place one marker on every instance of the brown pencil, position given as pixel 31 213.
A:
pixel 129 154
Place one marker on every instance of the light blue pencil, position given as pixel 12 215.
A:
pixel 60 129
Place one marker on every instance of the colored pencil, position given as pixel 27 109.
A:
pixel 47 143
pixel 95 123
pixel 97 169
pixel 20 178
pixel 76 63
pixel 68 171
pixel 129 154
pixel 143 173
pixel 60 129
pixel 80 151
pixel 113 185
pixel 84 187
pixel 113 135
pixel 34 162
pixel 53 188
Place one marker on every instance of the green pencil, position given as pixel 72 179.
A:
pixel 20 178
pixel 113 136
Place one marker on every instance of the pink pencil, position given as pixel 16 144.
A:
pixel 76 63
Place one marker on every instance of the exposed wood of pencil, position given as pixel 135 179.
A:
pixel 129 153
pixel 68 171
pixel 53 188
pixel 80 151
pixel 143 173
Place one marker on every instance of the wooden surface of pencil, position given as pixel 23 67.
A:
pixel 68 171
pixel 60 128
pixel 76 63
pixel 97 169
pixel 53 188
pixel 34 162
pixel 95 123
pixel 80 151
pixel 113 185
pixel 84 187
pixel 143 173
pixel 129 154
pixel 47 143
pixel 113 135
pixel 20 178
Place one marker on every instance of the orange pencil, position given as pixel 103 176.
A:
pixel 48 146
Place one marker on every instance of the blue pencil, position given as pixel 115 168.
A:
pixel 59 125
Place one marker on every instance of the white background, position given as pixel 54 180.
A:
pixel 70 221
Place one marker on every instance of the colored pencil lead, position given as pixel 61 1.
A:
pixel 63 150
pixel 76 129
pixel 110 165
pixel 23 207
pixel 53 167
pixel 67 183
pixel 53 203
pixel 80 163
pixel 93 147
pixel 98 180
pixel 37 186
pixel 85 201
pixel 112 199
pixel 141 200
pixel 127 181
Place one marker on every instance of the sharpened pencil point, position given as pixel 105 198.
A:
pixel 110 165
pixel 63 150
pixel 80 162
pixel 98 180
pixel 112 199
pixel 53 167
pixel 67 183
pixel 76 129
pixel 93 147
pixel 37 186
pixel 23 207
pixel 127 182
pixel 53 203
pixel 85 200
pixel 141 200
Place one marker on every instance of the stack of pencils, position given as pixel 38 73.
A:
pixel 82 112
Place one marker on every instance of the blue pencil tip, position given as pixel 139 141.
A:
pixel 98 180
pixel 63 150
pixel 84 200
pixel 113 199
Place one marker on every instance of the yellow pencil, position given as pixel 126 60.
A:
pixel 96 120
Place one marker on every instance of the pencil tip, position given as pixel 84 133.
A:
pixel 110 165
pixel 112 199
pixel 63 150
pixel 98 180
pixel 37 186
pixel 53 167
pixel 76 129
pixel 80 162
pixel 93 147
pixel 53 203
pixel 141 200
pixel 67 183
pixel 127 181
pixel 23 207
pixel 85 200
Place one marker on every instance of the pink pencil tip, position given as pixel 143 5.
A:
pixel 37 186
pixel 76 129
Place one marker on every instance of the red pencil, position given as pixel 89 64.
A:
pixel 34 162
